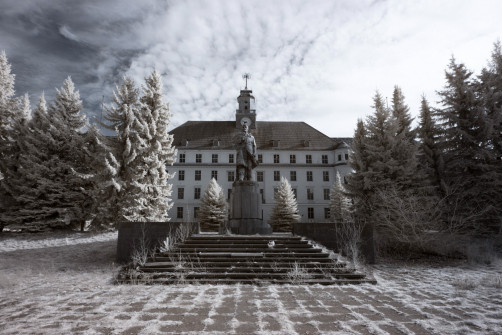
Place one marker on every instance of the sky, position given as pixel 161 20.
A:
pixel 315 61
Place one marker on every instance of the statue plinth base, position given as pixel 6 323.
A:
pixel 246 216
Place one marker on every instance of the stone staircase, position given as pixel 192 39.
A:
pixel 246 259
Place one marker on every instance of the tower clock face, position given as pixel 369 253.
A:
pixel 246 120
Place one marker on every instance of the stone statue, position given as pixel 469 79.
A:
pixel 246 155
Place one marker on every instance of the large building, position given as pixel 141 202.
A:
pixel 305 156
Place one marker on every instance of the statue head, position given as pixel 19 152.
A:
pixel 245 128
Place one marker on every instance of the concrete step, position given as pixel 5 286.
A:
pixel 213 281
pixel 246 248
pixel 213 258
pixel 269 265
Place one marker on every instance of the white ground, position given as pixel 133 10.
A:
pixel 63 285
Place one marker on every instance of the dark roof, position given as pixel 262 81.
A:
pixel 222 134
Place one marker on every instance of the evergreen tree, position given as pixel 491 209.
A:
pixel 58 183
pixel 465 149
pixel 120 154
pixel 285 210
pixel 148 152
pixel 431 164
pixel 10 106
pixel 405 148
pixel 213 210
pixel 402 114
pixel 339 203
pixel 489 88
pixel 358 182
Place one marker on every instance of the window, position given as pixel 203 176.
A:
pixel 309 176
pixel 295 193
pixel 327 214
pixel 292 159
pixel 325 175
pixel 198 158
pixel 310 212
pixel 215 158
pixel 276 159
pixel 181 193
pixel 229 193
pixel 260 158
pixel 181 175
pixel 292 175
pixel 231 175
pixel 346 157
pixel 182 158
pixel 308 159
pixel 277 175
pixel 262 196
pixel 197 175
pixel 310 194
pixel 259 175
pixel 179 212
pixel 339 157
pixel 195 212
pixel 196 193
pixel 230 158
pixel 326 193
pixel 214 174
pixel 325 159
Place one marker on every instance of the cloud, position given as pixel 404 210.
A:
pixel 317 62
pixel 65 31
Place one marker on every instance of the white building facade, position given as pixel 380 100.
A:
pixel 295 150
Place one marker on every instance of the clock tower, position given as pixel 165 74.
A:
pixel 247 110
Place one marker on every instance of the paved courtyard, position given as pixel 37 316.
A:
pixel 67 289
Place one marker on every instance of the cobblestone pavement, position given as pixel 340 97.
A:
pixel 52 291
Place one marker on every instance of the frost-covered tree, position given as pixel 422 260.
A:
pixel 147 152
pixel 339 203
pixel 59 184
pixel 11 121
pixel 285 211
pixel 122 150
pixel 213 209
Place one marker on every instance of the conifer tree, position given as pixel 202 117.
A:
pixel 285 211
pixel 147 152
pixel 213 210
pixel 432 161
pixel 357 182
pixel 120 154
pixel 55 164
pixel 10 107
pixel 489 88
pixel 339 203
pixel 465 148
pixel 405 147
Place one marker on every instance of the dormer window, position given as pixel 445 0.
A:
pixel 276 143
pixel 216 143
pixel 306 143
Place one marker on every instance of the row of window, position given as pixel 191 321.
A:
pixel 259 175
pixel 310 213
pixel 277 159
pixel 197 193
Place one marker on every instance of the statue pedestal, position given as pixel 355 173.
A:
pixel 246 216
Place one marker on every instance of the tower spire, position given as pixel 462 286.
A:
pixel 246 76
